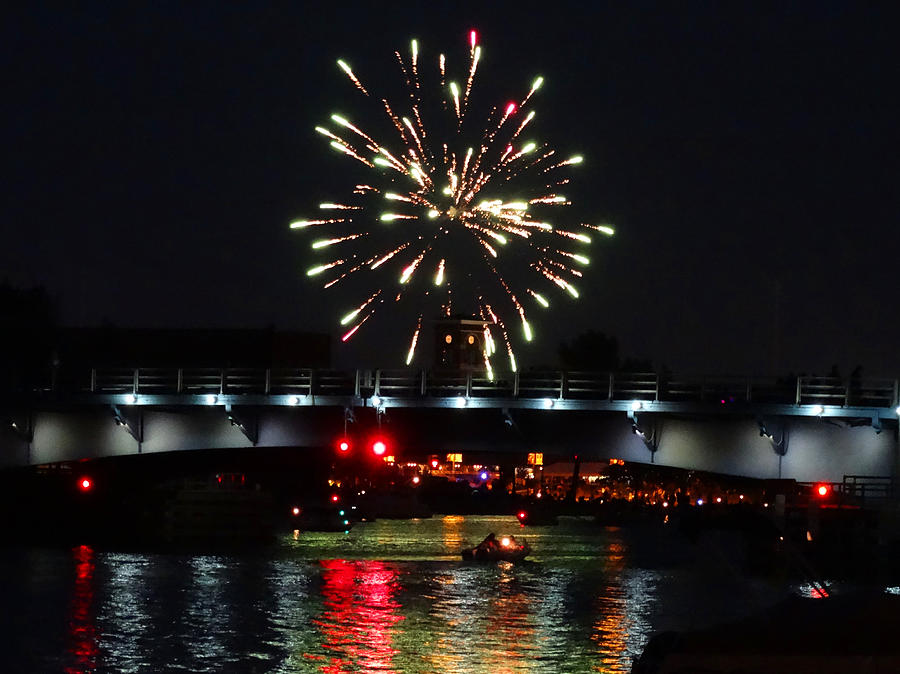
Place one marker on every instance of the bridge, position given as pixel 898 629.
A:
pixel 808 428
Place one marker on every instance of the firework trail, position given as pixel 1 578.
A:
pixel 436 204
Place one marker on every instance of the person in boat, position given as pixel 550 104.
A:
pixel 489 543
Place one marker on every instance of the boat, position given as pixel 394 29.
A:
pixel 536 516
pixel 320 518
pixel 223 508
pixel 493 549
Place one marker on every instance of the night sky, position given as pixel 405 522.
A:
pixel 747 154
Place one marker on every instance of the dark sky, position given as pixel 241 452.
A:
pixel 747 154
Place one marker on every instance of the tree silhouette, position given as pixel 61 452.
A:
pixel 591 350
pixel 27 323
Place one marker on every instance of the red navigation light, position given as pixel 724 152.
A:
pixel 822 490
pixel 379 447
pixel 343 445
pixel 335 498
pixel 522 514
pixel 85 484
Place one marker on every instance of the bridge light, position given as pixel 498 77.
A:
pixel 822 490
pixel 85 484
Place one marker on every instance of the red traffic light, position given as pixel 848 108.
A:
pixel 85 484
pixel 822 490
pixel 343 445
pixel 379 447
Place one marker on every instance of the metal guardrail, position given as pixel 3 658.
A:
pixel 555 385
pixel 869 489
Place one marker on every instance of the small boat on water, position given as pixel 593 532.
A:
pixel 535 516
pixel 493 549
pixel 320 518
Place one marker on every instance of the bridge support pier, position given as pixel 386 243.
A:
pixel 247 422
pixel 777 432
pixel 649 430
pixel 132 421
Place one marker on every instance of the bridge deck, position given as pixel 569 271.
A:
pixel 645 392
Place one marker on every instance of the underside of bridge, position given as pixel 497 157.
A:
pixel 802 448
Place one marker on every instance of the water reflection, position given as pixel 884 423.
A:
pixel 205 609
pixel 360 612
pixel 512 613
pixel 452 532
pixel 622 603
pixel 124 606
pixel 82 630
pixel 396 597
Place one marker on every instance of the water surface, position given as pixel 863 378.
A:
pixel 390 596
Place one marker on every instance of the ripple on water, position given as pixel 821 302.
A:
pixel 390 596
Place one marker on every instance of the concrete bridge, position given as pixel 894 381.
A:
pixel 807 428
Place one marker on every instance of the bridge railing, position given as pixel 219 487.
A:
pixel 645 386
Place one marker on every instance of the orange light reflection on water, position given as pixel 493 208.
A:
pixel 610 631
pixel 359 616
pixel 82 631
pixel 513 615
pixel 451 534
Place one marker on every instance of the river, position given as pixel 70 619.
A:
pixel 389 596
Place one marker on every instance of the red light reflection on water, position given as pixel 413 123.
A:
pixel 82 631
pixel 359 616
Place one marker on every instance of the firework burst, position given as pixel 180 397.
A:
pixel 453 217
